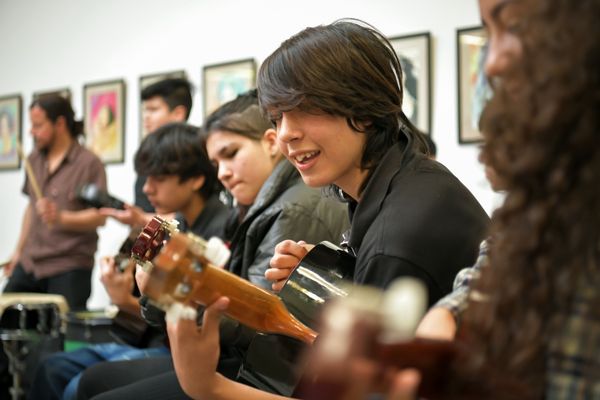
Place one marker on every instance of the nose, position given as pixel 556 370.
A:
pixel 497 60
pixel 148 187
pixel 287 130
pixel 224 172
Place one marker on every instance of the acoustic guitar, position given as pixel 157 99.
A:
pixel 324 274
pixel 286 322
pixel 181 273
pixel 377 327
pixel 126 327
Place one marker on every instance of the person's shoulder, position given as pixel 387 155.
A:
pixel 86 155
pixel 427 179
pixel 428 194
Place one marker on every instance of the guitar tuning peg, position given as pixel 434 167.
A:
pixel 216 252
pixel 172 226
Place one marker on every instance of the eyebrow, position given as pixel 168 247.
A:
pixel 495 13
pixel 226 148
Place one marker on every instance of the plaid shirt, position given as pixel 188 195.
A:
pixel 573 355
pixel 456 301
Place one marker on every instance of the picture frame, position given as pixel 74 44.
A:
pixel 11 131
pixel 473 87
pixel 414 53
pixel 147 80
pixel 223 82
pixel 104 119
pixel 63 92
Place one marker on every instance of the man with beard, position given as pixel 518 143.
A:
pixel 55 251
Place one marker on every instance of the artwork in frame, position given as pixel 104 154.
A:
pixel 147 80
pixel 223 82
pixel 11 109
pixel 104 119
pixel 414 52
pixel 473 88
pixel 64 92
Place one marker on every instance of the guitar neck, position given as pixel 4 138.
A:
pixel 183 275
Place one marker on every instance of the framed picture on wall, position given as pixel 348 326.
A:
pixel 223 82
pixel 63 92
pixel 104 119
pixel 414 52
pixel 473 88
pixel 147 80
pixel 11 110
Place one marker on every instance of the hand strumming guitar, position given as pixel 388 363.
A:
pixel 119 285
pixel 286 257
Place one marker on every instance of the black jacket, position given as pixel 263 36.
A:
pixel 415 219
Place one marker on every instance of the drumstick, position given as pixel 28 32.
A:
pixel 34 184
pixel 29 171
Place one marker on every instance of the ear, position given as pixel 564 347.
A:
pixel 179 114
pixel 198 182
pixel 269 142
pixel 60 123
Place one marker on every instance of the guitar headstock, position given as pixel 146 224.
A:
pixel 151 239
pixel 174 269
pixel 173 264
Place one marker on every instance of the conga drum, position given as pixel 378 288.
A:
pixel 27 316
pixel 30 325
pixel 88 327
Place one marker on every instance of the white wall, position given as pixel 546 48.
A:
pixel 61 43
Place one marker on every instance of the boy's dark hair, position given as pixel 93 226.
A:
pixel 177 149
pixel 174 91
pixel 347 69
pixel 57 106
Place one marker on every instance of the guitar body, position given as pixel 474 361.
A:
pixel 273 362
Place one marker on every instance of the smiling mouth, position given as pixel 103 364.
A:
pixel 306 157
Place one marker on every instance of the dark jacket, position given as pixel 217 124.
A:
pixel 285 208
pixel 415 219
